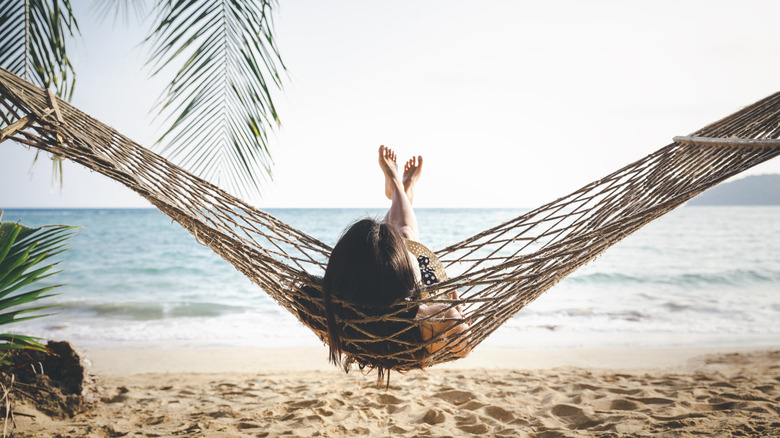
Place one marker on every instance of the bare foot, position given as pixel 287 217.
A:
pixel 412 171
pixel 389 168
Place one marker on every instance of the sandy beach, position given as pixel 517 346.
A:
pixel 255 392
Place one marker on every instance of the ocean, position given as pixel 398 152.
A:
pixel 699 276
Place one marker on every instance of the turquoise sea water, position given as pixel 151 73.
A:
pixel 698 276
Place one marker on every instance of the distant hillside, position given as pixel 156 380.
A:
pixel 752 190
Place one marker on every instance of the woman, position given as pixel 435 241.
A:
pixel 372 267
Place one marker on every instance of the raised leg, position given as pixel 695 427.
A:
pixel 401 214
pixel 412 172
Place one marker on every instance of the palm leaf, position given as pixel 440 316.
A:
pixel 24 260
pixel 218 108
pixel 121 8
pixel 10 343
pixel 13 341
pixel 33 36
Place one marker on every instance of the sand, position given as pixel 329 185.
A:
pixel 513 393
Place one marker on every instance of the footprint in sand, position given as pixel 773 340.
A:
pixel 388 399
pixel 727 406
pixel 652 400
pixel 243 425
pixel 574 416
pixel 619 404
pixel 749 397
pixel 119 397
pixel 312 418
pixel 324 412
pixel 397 430
pixel 304 404
pixel 473 405
pixel 224 411
pixel 624 391
pixel 466 420
pixel 153 421
pixel 475 429
pixel 433 416
pixel 584 386
pixel 766 388
pixel 455 396
pixel 336 403
pixel 499 414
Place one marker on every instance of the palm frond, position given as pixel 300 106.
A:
pixel 219 107
pixel 121 8
pixel 24 260
pixel 13 38
pixel 18 342
pixel 33 36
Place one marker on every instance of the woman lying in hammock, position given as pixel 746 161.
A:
pixel 373 266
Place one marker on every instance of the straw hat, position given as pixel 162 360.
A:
pixel 418 249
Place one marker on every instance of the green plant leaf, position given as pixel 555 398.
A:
pixel 17 342
pixel 219 106
pixel 33 36
pixel 33 45
pixel 121 8
pixel 25 255
pixel 8 233
pixel 11 317
pixel 13 267
pixel 25 280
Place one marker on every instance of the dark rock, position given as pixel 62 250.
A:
pixel 56 384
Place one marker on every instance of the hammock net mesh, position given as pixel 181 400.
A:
pixel 496 272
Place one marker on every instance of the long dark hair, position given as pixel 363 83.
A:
pixel 369 267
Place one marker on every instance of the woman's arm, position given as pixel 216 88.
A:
pixel 441 332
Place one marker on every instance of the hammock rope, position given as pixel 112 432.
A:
pixel 496 272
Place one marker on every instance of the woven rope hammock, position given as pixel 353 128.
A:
pixel 496 272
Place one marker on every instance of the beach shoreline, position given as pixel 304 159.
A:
pixel 130 361
pixel 251 392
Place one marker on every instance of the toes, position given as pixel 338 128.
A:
pixel 413 162
pixel 386 152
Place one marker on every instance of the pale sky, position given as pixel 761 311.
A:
pixel 511 103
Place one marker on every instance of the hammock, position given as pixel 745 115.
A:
pixel 496 272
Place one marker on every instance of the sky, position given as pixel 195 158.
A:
pixel 510 103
